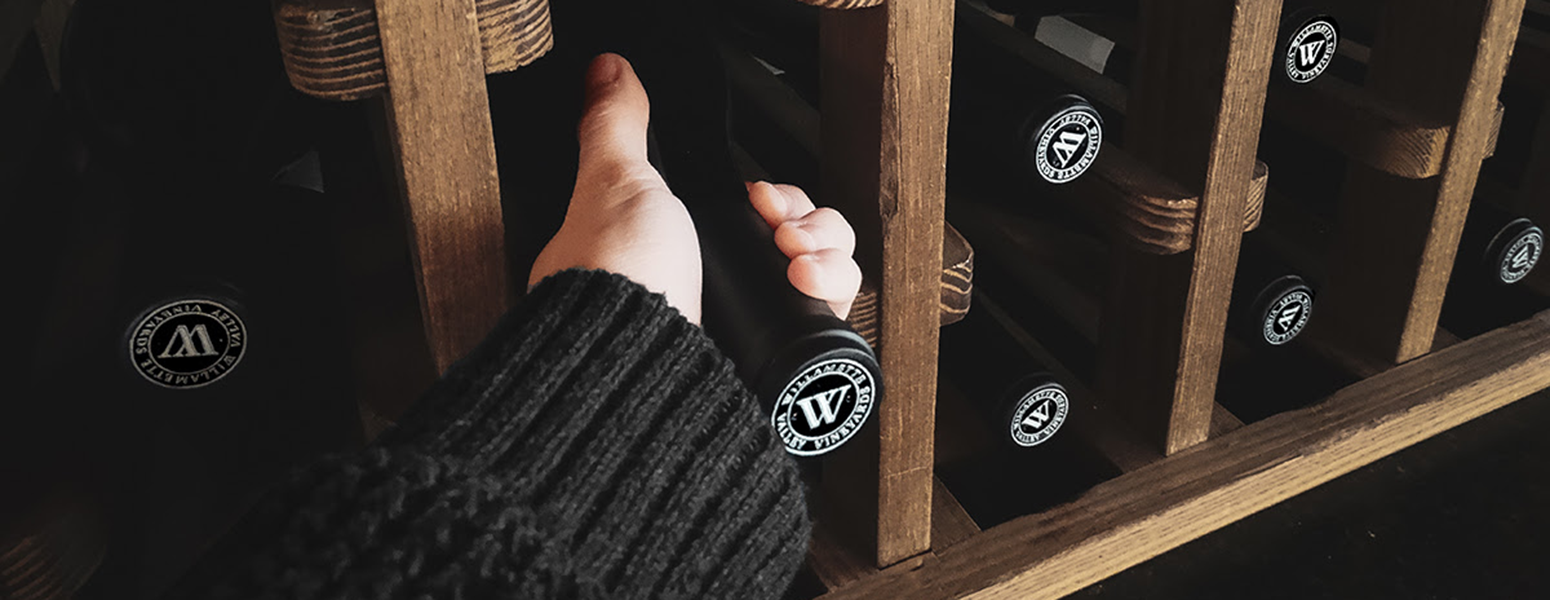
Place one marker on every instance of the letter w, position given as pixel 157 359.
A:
pixel 1037 417
pixel 1308 54
pixel 824 413
pixel 186 343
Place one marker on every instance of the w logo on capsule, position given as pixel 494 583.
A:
pixel 1066 145
pixel 1311 49
pixel 1309 53
pixel 822 408
pixel 1037 417
pixel 189 343
pixel 1289 316
pixel 1524 259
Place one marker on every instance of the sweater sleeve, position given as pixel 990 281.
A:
pixel 596 444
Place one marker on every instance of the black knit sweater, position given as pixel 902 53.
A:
pixel 595 445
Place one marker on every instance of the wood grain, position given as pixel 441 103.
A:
pixel 1446 64
pixel 1130 519
pixel 955 288
pixel 950 523
pixel 843 4
pixel 332 48
pixel 439 122
pixel 885 77
pixel 1145 210
pixel 1194 114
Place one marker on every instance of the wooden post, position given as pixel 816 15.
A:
pixel 1194 115
pixel 886 74
pixel 1397 237
pixel 439 124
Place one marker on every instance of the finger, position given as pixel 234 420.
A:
pixel 613 126
pixel 827 275
pixel 768 201
pixel 822 229
pixel 778 203
pixel 797 202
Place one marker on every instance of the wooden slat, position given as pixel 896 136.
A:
pixel 439 123
pixel 332 48
pixel 1195 112
pixel 950 523
pixel 1142 208
pixel 885 78
pixel 1130 519
pixel 1444 63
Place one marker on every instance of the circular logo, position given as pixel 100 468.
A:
pixel 1311 50
pixel 1287 316
pixel 187 343
pixel 1521 256
pixel 1068 144
pixel 1039 415
pixel 824 406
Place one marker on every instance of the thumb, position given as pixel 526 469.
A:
pixel 613 126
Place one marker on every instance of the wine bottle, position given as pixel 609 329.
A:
pixel 1006 114
pixel 1497 249
pixel 223 367
pixel 1047 138
pixel 1097 34
pixel 818 379
pixel 1020 400
pixel 1271 303
pixel 1497 252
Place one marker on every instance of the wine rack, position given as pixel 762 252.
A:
pixel 1173 202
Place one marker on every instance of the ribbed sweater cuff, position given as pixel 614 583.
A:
pixel 621 420
pixel 580 347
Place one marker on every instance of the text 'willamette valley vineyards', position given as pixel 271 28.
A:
pixel 818 378
pixel 1019 398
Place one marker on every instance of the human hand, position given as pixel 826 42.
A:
pixel 624 219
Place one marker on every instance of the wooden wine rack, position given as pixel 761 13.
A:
pixel 1414 135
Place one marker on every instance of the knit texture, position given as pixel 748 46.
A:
pixel 595 445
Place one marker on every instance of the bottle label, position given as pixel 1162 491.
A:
pixel 1287 316
pixel 1520 257
pixel 823 407
pixel 1311 50
pixel 187 343
pixel 1039 415
pixel 1068 144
